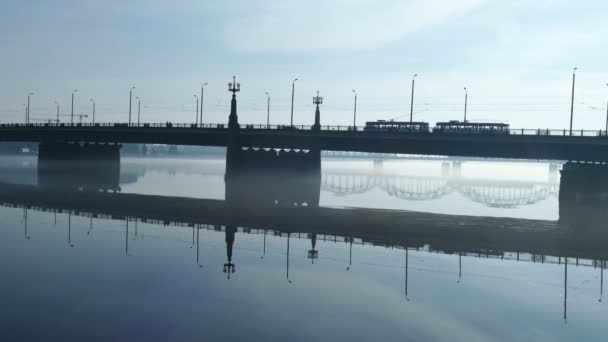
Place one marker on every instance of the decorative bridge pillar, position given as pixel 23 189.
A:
pixel 233 119
pixel 233 147
pixel 317 100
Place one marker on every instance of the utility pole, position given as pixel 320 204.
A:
pixel 57 103
pixel 355 112
pixel 293 85
pixel 412 99
pixel 196 109
pixel 267 110
pixel 572 100
pixel 607 116
pixel 72 115
pixel 466 95
pixel 202 99
pixel 93 102
pixel 130 102
pixel 138 109
pixel 27 117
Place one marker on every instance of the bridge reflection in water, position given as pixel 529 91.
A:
pixel 273 204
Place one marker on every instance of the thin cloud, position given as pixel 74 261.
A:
pixel 295 26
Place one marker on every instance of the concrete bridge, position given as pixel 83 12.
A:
pixel 520 144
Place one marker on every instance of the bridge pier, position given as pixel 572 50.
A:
pixel 257 175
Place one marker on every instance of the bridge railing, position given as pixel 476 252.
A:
pixel 297 128
pixel 558 132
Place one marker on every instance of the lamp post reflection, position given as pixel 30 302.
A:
pixel 288 235
pixel 70 230
pixel 459 268
pixel 192 245
pixel 198 228
pixel 27 237
pixel 90 225
pixel 566 289
pixel 127 237
pixel 602 266
pixel 264 248
pixel 350 255
pixel 313 253
pixel 229 266
pixel 406 273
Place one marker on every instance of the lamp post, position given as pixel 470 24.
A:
pixel 466 96
pixel 57 103
pixel 355 112
pixel 138 109
pixel 93 102
pixel 607 116
pixel 293 87
pixel 572 99
pixel 72 113
pixel 412 98
pixel 289 281
pixel 130 102
pixel 196 109
pixel 27 116
pixel 202 100
pixel 267 110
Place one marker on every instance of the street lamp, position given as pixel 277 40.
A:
pixel 202 99
pixel 93 102
pixel 138 108
pixel 466 96
pixel 293 86
pixel 196 109
pixel 267 110
pixel 572 99
pixel 130 102
pixel 72 113
pixel 27 116
pixel 355 112
pixel 412 98
pixel 57 103
pixel 606 115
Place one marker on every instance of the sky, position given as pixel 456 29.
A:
pixel 516 59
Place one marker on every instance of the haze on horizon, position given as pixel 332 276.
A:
pixel 515 58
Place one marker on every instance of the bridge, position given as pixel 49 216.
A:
pixel 591 146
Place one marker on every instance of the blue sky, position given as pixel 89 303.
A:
pixel 515 57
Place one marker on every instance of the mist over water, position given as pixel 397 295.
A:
pixel 465 230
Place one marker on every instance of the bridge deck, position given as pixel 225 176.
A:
pixel 520 146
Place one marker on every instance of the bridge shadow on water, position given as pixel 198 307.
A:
pixel 257 196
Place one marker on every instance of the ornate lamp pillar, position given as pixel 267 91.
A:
pixel 233 119
pixel 317 100
pixel 229 266
pixel 313 253
pixel 233 145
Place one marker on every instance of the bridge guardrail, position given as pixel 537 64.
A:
pixel 300 128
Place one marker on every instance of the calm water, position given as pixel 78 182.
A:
pixel 78 274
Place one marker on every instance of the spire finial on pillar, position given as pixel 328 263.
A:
pixel 234 87
pixel 317 100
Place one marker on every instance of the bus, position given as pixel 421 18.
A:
pixel 460 127
pixel 397 126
